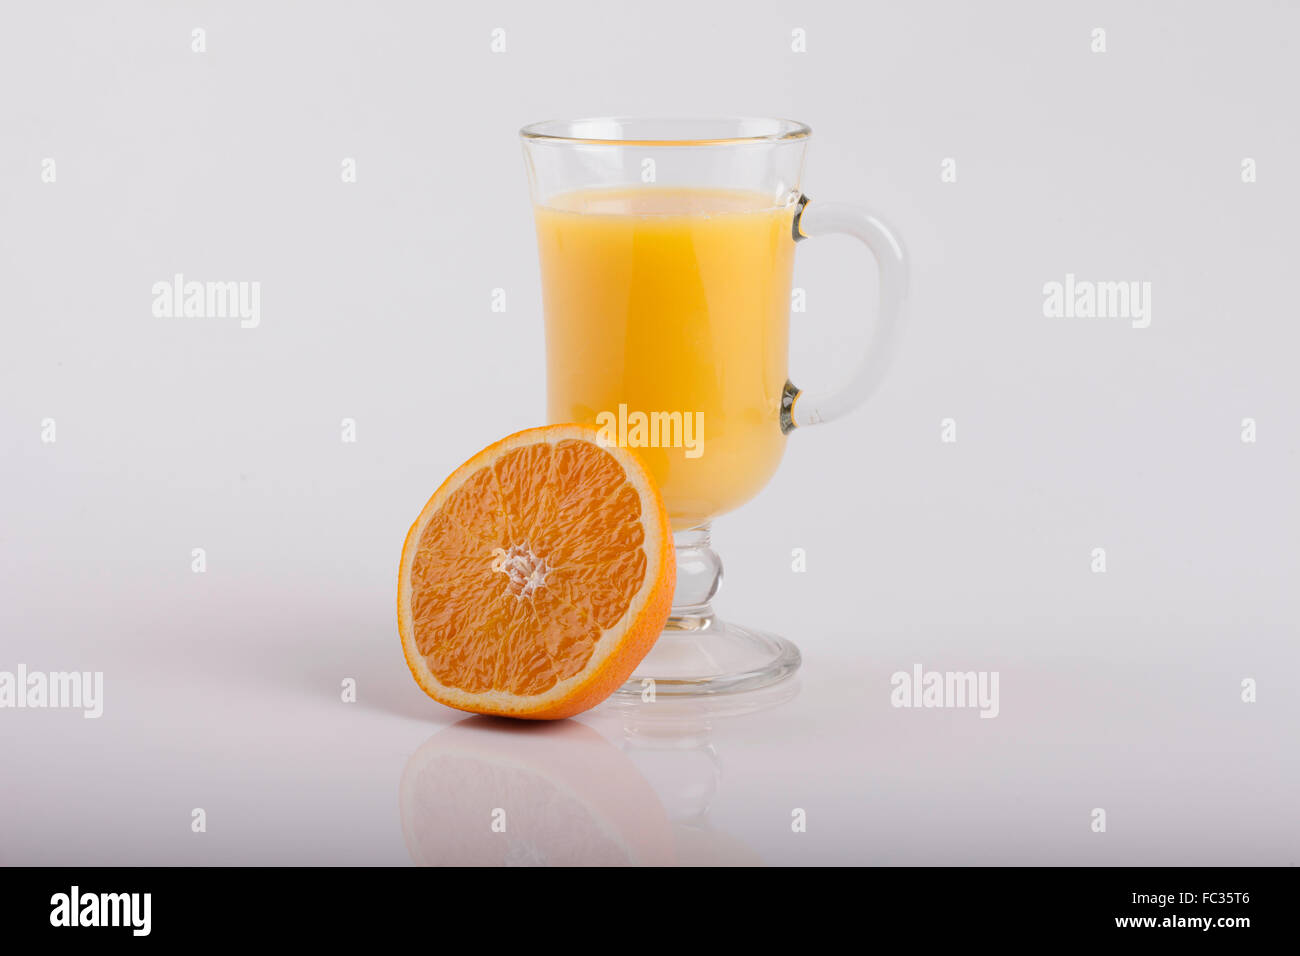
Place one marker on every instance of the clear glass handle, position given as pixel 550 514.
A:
pixel 819 219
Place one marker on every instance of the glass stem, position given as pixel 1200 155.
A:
pixel 699 575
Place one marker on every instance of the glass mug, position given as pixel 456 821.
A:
pixel 667 251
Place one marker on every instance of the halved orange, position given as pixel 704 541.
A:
pixel 537 576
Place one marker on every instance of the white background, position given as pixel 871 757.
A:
pixel 1118 691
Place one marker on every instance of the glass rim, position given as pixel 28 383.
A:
pixel 617 131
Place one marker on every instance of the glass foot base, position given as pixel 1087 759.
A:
pixel 702 656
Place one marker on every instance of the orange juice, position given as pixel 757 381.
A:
pixel 664 301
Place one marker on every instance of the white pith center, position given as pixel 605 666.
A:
pixel 526 571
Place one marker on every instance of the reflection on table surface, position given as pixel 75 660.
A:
pixel 492 792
